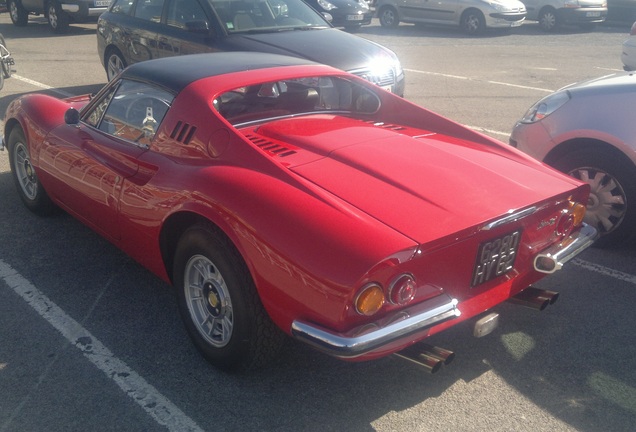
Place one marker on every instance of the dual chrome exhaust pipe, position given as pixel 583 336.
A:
pixel 429 357
pixel 535 298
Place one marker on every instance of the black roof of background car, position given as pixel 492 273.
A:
pixel 175 73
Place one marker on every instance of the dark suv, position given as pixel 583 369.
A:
pixel 136 30
pixel 59 13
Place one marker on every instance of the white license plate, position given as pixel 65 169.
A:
pixel 387 88
pixel 495 258
pixel 592 14
pixel 102 3
pixel 355 17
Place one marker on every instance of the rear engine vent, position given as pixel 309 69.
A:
pixel 183 132
pixel 270 147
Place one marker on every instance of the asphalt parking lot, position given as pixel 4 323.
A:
pixel 89 340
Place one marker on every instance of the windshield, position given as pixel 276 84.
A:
pixel 266 15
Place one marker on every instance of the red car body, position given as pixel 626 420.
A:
pixel 365 224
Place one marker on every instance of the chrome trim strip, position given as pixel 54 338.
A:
pixel 574 245
pixel 511 217
pixel 73 8
pixel 420 317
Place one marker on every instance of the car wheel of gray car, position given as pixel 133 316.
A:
pixel 548 19
pixel 388 17
pixel 19 15
pixel 58 19
pixel 611 208
pixel 219 304
pixel 26 180
pixel 473 22
pixel 115 63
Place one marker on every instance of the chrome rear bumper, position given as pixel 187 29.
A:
pixel 369 337
pixel 553 258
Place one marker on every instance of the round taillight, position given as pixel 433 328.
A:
pixel 402 290
pixel 565 224
pixel 370 299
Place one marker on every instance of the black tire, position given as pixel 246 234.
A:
pixel 26 180
pixel 219 304
pixel 58 19
pixel 612 205
pixel 6 67
pixel 473 22
pixel 114 63
pixel 549 20
pixel 19 15
pixel 389 17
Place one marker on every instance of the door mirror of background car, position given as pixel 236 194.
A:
pixel 71 116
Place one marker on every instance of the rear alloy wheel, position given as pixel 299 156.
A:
pixel 389 17
pixel 473 22
pixel 548 20
pixel 611 208
pixel 19 15
pixel 58 19
pixel 219 304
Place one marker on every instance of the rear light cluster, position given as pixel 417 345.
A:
pixel 372 296
pixel 571 218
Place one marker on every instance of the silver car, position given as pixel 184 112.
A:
pixel 552 14
pixel 587 130
pixel 473 16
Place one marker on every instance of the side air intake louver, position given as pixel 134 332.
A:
pixel 271 147
pixel 183 132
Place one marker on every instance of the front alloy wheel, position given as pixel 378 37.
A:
pixel 26 180
pixel 115 63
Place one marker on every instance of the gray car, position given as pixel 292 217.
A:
pixel 59 13
pixel 587 130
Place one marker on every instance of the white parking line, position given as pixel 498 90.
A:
pixel 42 86
pixel 606 271
pixel 475 79
pixel 130 382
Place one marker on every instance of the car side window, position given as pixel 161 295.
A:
pixel 181 12
pixel 122 7
pixel 149 10
pixel 131 110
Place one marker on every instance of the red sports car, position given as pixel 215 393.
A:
pixel 279 194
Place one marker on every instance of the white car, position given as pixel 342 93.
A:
pixel 587 130
pixel 629 50
pixel 473 16
pixel 552 14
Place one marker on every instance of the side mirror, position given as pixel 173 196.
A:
pixel 71 116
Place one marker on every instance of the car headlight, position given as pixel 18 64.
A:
pixel 545 107
pixel 326 5
pixel 572 4
pixel 499 7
